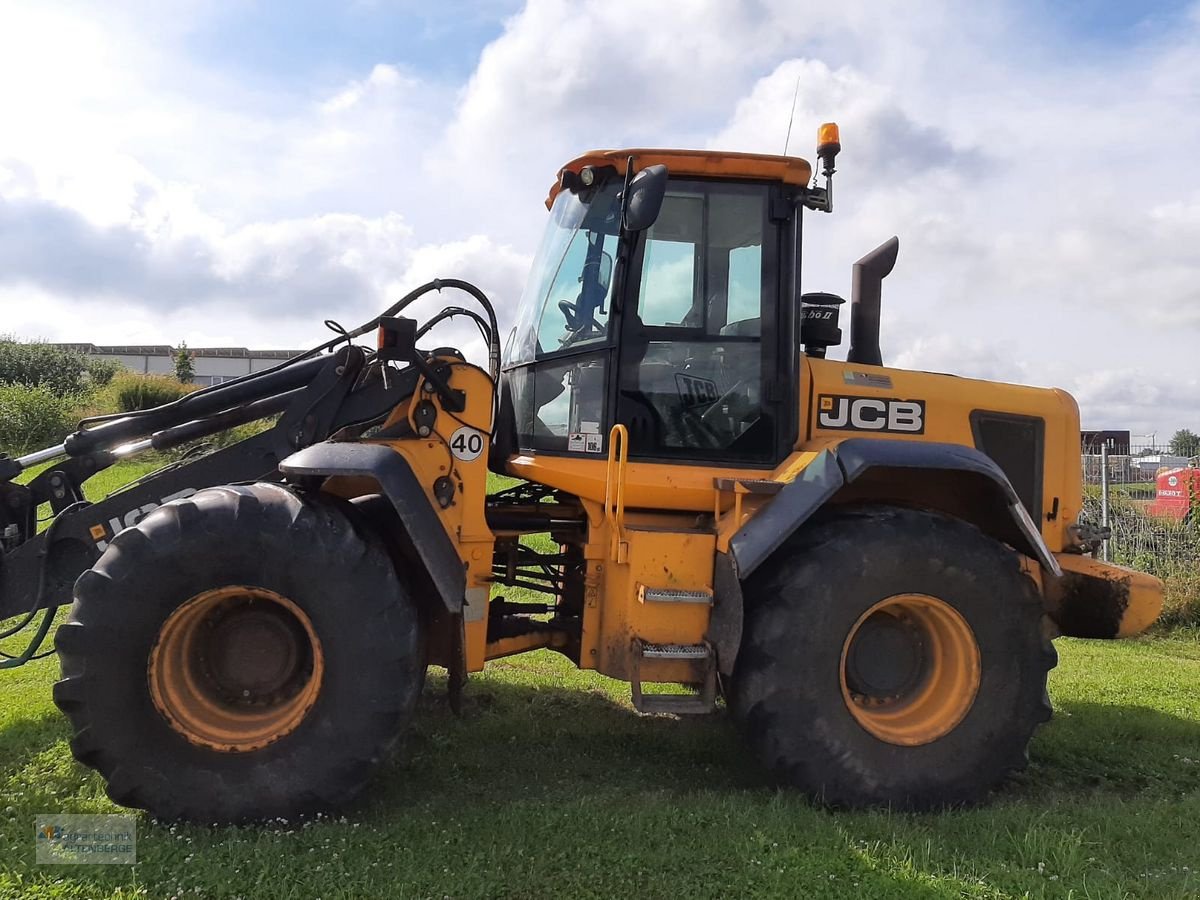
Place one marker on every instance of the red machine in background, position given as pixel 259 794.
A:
pixel 1175 494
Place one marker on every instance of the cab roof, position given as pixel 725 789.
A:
pixel 706 163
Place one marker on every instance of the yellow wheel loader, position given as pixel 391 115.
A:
pixel 864 565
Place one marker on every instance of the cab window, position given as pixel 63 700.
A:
pixel 567 298
pixel 557 359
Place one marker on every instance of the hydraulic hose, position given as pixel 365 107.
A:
pixel 11 662
pixel 494 343
pixel 35 643
pixel 467 288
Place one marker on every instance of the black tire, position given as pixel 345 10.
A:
pixel 804 603
pixel 267 537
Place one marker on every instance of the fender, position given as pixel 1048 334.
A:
pixel 398 483
pixel 855 460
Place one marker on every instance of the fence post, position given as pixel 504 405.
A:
pixel 1104 498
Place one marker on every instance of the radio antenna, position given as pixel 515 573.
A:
pixel 796 93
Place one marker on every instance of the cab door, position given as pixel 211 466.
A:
pixel 698 345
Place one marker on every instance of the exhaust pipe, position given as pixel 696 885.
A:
pixel 866 292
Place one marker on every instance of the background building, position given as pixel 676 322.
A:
pixel 213 364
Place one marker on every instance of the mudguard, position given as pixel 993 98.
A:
pixel 849 461
pixel 398 483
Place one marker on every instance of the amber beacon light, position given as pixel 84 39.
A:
pixel 829 144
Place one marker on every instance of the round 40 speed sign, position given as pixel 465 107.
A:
pixel 466 444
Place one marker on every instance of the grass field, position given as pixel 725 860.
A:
pixel 550 785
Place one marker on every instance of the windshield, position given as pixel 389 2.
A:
pixel 567 298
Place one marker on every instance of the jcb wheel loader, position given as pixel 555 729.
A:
pixel 867 564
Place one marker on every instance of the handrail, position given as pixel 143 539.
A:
pixel 614 491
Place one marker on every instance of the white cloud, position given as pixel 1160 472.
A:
pixel 384 79
pixel 1043 198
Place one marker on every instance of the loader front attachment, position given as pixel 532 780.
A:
pixel 313 397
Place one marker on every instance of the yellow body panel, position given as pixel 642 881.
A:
pixel 949 401
pixel 464 517
pixel 695 163
pixel 664 552
pixel 677 487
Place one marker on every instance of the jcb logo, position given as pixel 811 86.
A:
pixel 695 391
pixel 871 414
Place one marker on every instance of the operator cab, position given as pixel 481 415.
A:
pixel 681 326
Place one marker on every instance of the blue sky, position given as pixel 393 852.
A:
pixel 1105 22
pixel 234 173
pixel 290 43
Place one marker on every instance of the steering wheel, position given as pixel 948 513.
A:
pixel 576 329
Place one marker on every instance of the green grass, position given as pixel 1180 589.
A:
pixel 549 784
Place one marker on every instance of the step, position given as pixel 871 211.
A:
pixel 677 704
pixel 674 651
pixel 673 595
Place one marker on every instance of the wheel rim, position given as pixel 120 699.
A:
pixel 910 669
pixel 236 668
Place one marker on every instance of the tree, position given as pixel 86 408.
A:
pixel 1185 443
pixel 185 369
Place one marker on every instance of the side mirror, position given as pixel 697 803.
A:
pixel 642 199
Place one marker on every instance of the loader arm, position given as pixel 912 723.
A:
pixel 37 571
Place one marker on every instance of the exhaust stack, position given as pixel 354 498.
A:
pixel 866 292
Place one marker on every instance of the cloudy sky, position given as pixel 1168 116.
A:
pixel 234 173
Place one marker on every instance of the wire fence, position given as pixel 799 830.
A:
pixel 1149 498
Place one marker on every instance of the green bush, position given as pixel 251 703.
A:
pixel 60 371
pixel 101 371
pixel 33 417
pixel 132 392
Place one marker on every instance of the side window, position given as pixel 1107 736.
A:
pixel 670 271
pixel 560 405
pixel 735 244
pixel 668 282
pixel 745 284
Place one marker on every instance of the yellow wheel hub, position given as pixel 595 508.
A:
pixel 236 668
pixel 910 669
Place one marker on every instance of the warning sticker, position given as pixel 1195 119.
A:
pixel 589 427
pixel 575 442
pixel 594 443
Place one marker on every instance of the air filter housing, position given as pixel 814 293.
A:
pixel 819 322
